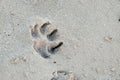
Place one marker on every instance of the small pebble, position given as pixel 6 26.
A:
pixel 16 60
pixel 25 59
pixel 113 70
pixel 68 57
pixel 108 38
pixel 85 75
pixel 8 34
pixel 97 70
pixel 12 14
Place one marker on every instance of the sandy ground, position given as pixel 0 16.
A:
pixel 89 29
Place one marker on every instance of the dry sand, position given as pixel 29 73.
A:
pixel 89 29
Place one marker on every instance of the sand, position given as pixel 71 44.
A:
pixel 89 29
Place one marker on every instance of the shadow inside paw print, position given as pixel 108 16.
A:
pixel 43 37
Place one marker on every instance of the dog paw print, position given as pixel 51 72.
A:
pixel 44 39
pixel 63 75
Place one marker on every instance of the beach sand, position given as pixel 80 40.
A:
pixel 89 30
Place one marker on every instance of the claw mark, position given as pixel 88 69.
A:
pixel 43 27
pixel 54 48
pixel 52 35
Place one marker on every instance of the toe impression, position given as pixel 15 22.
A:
pixel 54 47
pixel 34 31
pixel 43 27
pixel 52 35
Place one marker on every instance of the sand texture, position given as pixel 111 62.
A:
pixel 59 39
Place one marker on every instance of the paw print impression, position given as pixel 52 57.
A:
pixel 63 75
pixel 44 39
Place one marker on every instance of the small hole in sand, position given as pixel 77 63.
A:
pixel 119 20
pixel 54 62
